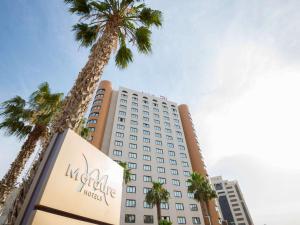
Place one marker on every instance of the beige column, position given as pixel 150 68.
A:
pixel 196 157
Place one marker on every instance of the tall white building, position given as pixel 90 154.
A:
pixel 157 140
pixel 231 202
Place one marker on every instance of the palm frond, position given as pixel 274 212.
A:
pixel 85 34
pixel 151 17
pixel 124 56
pixel 143 39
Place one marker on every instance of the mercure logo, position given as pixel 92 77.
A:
pixel 91 182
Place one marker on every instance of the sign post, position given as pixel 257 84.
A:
pixel 77 185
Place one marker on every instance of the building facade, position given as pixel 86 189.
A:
pixel 157 140
pixel 231 202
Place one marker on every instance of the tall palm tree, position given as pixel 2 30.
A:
pixel 28 120
pixel 156 195
pixel 127 172
pixel 105 25
pixel 202 190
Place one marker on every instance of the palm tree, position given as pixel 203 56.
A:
pixel 83 130
pixel 156 195
pixel 127 172
pixel 202 190
pixel 28 120
pixel 105 25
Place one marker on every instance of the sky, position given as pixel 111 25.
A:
pixel 235 63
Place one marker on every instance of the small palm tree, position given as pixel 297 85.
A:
pixel 156 195
pixel 127 172
pixel 28 120
pixel 165 222
pixel 83 130
pixel 105 25
pixel 202 190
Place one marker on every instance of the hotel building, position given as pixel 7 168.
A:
pixel 157 139
pixel 231 202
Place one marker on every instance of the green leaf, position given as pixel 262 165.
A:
pixel 100 6
pixel 123 57
pixel 81 7
pixel 151 17
pixel 85 34
pixel 143 39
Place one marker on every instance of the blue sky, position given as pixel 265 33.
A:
pixel 236 63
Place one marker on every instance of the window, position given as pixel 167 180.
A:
pixel 147 157
pixel 186 173
pixel 173 162
pixel 155 104
pixel 134 110
pixel 133 122
pixel 146 119
pixel 147 179
pixel 131 165
pixel 94 114
pixel 170 145
pixel 185 164
pixel 120 127
pixel 155 110
pixel 129 218
pixel 177 194
pixel 132 146
pixel 145 113
pixel 146 125
pixel 134 116
pixel 236 209
pixel 123 101
pixel 117 153
pixel 159 151
pixel 181 147
pixel 146 107
pixel 179 206
pixel 193 207
pixel 133 177
pixel 161 170
pixel 156 121
pixel 178 133
pixel 156 115
pixel 167 124
pixel 147 206
pixel 123 107
pixel 118 143
pixel 171 153
pixel 146 190
pixel 157 128
pixel 164 205
pixel 122 113
pixel 162 180
pixel 134 104
pixel 166 118
pixel 132 155
pixel 133 137
pixel 92 122
pixel 133 130
pixel 196 220
pixel 124 96
pixel 181 220
pixel 158 142
pixel 97 102
pixel 100 91
pixel 119 134
pixel 130 203
pixel 174 171
pixel 166 113
pixel 183 155
pixel 131 189
pixel 190 195
pixel 146 140
pixel 175 182
pixel 134 99
pixel 180 140
pixel 147 168
pixel 175 115
pixel 121 119
pixel 97 107
pixel 177 126
pixel 169 138
pixel 145 102
pixel 176 121
pixel 160 160
pixel 158 135
pixel 146 132
pixel 167 130
pixel 92 129
pixel 146 148
pixel 148 219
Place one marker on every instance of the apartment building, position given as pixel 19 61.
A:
pixel 231 202
pixel 157 139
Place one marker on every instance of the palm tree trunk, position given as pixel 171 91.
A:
pixel 207 211
pixel 77 101
pixel 9 180
pixel 158 209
